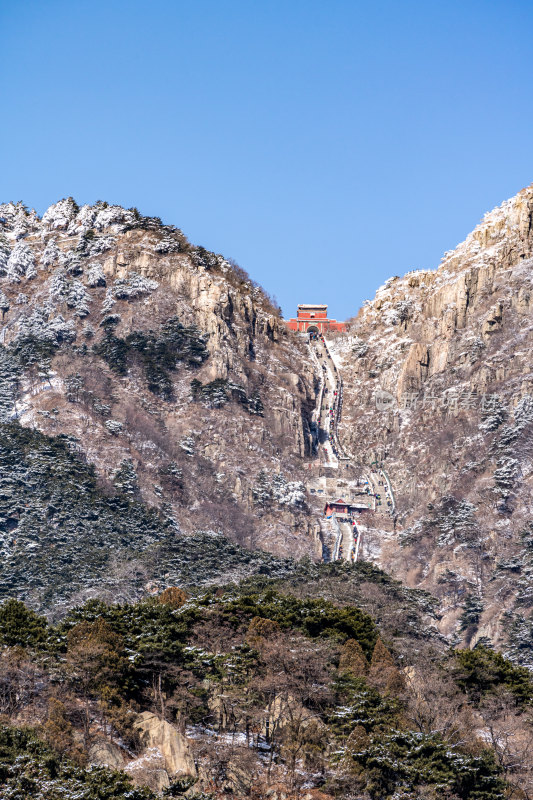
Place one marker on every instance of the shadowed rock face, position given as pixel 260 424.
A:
pixel 453 346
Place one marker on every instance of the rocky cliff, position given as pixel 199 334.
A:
pixel 162 365
pixel 438 388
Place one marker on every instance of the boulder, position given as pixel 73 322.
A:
pixel 106 754
pixel 149 770
pixel 173 745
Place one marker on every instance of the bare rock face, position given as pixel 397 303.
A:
pixel 453 346
pixel 157 734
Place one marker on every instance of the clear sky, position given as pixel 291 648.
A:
pixel 323 145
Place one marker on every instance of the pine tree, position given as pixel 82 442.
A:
pixel 196 388
pixel 73 263
pixel 5 252
pixel 125 479
pixel 493 414
pixel 255 405
pixel 20 625
pixel 472 611
pixel 19 262
pixel 59 285
pixel 20 223
pixel 73 387
pixel 383 673
pixel 353 659
pixel 51 254
pixel 9 377
pixel 4 304
pixel 95 275
pixel 261 491
pixel 109 301
pixel 114 426
pixel 133 286
pixel 31 272
pixel 523 412
pixel 79 299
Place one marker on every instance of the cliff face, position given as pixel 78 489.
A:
pixel 438 387
pixel 171 369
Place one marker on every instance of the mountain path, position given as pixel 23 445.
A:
pixel 341 533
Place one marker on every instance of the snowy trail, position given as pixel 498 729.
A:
pixel 331 453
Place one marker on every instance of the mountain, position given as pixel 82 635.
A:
pixel 438 388
pixel 185 485
pixel 175 399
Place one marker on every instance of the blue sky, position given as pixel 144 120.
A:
pixel 323 145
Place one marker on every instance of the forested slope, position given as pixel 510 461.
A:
pixel 265 689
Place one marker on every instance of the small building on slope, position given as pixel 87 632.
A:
pixel 344 508
pixel 314 319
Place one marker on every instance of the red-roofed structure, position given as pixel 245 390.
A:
pixel 340 506
pixel 314 319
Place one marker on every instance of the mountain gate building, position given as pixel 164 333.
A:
pixel 314 319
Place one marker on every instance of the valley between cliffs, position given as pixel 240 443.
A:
pixel 172 375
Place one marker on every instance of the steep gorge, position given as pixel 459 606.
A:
pixel 172 373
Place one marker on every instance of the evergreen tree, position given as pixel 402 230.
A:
pixel 353 659
pixel 261 491
pixel 95 275
pixel 492 415
pixel 5 252
pixel 21 222
pixel 255 405
pixel 109 301
pixel 21 260
pixel 9 377
pixel 59 285
pixel 4 304
pixel 125 479
pixel 79 299
pixel 31 271
pixel 20 625
pixel 51 254
pixel 472 610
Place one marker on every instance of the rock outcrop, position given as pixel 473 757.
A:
pixel 159 735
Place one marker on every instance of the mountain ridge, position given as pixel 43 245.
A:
pixel 450 350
